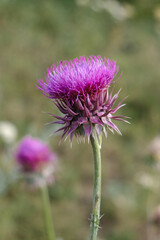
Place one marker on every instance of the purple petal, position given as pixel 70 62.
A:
pixel 63 110
pixel 82 120
pixel 120 118
pixel 98 129
pixel 87 112
pixel 95 120
pixel 79 105
pixel 110 124
pixel 120 105
pixel 115 98
pixel 87 129
pixel 60 129
pixel 71 112
pixel 89 102
pixel 100 114
pixel 73 127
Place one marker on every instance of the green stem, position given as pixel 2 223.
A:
pixel 47 213
pixel 95 216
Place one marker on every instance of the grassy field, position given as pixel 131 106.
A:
pixel 36 34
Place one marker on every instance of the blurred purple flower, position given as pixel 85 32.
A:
pixel 80 90
pixel 33 155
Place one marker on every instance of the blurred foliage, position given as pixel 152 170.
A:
pixel 36 34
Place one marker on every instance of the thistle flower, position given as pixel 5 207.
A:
pixel 80 90
pixel 36 160
pixel 32 154
pixel 37 163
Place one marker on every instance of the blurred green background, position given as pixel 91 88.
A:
pixel 34 35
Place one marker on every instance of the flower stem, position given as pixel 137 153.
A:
pixel 95 216
pixel 47 213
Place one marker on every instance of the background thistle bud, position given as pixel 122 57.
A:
pixel 36 160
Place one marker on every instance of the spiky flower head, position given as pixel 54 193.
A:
pixel 80 90
pixel 33 155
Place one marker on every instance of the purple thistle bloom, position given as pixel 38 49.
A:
pixel 33 155
pixel 80 90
